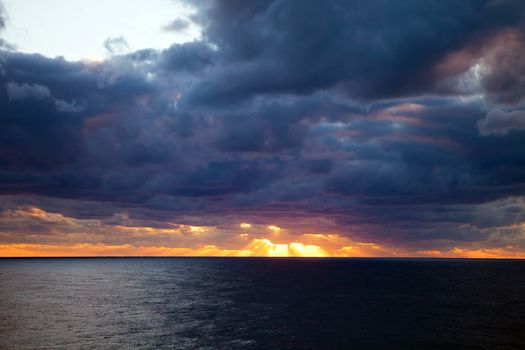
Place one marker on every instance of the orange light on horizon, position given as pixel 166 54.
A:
pixel 265 247
pixel 259 247
pixel 68 236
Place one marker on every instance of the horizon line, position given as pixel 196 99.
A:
pixel 259 257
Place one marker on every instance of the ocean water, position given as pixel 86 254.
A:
pixel 224 303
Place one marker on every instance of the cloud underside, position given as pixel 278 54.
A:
pixel 360 128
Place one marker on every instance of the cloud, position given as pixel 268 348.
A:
pixel 382 50
pixel 2 17
pixel 310 116
pixel 4 45
pixel 69 107
pixel 190 57
pixel 177 25
pixel 116 46
pixel 504 78
pixel 500 122
pixel 19 92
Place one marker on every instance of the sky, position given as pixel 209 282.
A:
pixel 262 128
pixel 78 29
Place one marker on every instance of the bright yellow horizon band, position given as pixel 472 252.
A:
pixel 268 249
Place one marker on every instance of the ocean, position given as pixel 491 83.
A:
pixel 261 303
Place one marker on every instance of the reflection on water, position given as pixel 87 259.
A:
pixel 224 303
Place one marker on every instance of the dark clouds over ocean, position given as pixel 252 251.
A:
pixel 397 122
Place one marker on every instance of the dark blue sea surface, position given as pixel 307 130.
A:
pixel 223 303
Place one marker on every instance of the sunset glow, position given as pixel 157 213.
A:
pixel 187 240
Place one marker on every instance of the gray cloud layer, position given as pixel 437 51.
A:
pixel 353 111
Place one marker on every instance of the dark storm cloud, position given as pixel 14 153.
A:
pixel 367 48
pixel 369 114
pixel 504 82
pixel 45 103
pixel 190 57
